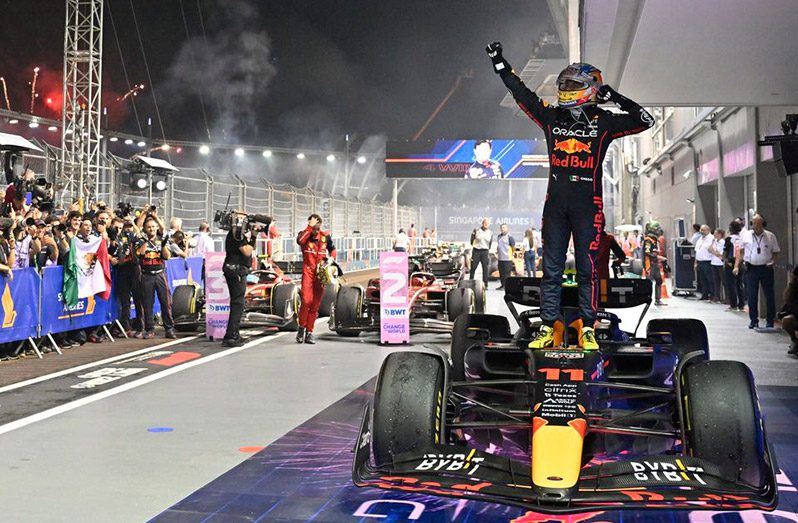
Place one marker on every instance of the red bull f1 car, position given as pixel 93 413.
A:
pixel 647 422
pixel 435 299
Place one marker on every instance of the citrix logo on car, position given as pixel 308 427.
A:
pixel 582 133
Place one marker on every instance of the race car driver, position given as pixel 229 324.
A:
pixel 578 134
pixel 317 246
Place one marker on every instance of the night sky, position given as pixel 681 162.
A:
pixel 299 73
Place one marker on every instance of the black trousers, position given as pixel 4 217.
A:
pixel 151 284
pixel 756 275
pixel 236 278
pixel 735 291
pixel 705 281
pixel 128 285
pixel 480 256
pixel 562 218
pixel 505 269
pixel 655 276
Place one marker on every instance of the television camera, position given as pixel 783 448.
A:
pixel 240 222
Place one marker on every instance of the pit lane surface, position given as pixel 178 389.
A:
pixel 187 446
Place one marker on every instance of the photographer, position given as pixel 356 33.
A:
pixel 178 244
pixel 7 253
pixel 152 253
pixel 238 246
pixel 317 246
pixel 147 212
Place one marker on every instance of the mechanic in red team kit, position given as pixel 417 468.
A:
pixel 317 248
pixel 578 134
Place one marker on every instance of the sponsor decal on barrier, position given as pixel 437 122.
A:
pixel 19 305
pixel 217 309
pixel 394 315
pixel 56 316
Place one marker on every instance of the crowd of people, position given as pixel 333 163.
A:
pixel 36 234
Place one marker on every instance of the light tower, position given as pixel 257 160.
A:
pixel 83 64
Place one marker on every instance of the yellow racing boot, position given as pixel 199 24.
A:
pixel 587 339
pixel 548 337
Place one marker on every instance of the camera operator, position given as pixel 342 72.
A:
pixel 153 253
pixel 46 247
pixel 123 236
pixel 317 246
pixel 26 249
pixel 238 246
pixel 178 244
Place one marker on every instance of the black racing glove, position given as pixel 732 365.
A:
pixel 607 94
pixel 500 65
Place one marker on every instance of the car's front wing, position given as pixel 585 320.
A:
pixel 653 482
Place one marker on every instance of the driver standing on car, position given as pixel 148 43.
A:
pixel 317 246
pixel 238 247
pixel 577 134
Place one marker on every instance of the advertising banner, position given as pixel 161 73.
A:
pixel 457 223
pixel 19 305
pixel 57 316
pixel 183 271
pixel 467 159
pixel 217 305
pixel 394 316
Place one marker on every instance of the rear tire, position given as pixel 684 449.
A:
pixel 722 420
pixel 687 335
pixel 459 301
pixel 348 302
pixel 328 299
pixel 408 405
pixel 498 326
pixel 478 286
pixel 186 307
pixel 282 295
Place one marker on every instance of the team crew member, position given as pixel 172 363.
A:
pixel 317 246
pixel 128 274
pixel 759 249
pixel 481 241
pixel 504 252
pixel 608 243
pixel 652 256
pixel 238 247
pixel 578 135
pixel 153 253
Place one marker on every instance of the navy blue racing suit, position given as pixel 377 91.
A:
pixel 577 143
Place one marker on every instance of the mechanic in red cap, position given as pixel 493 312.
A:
pixel 317 246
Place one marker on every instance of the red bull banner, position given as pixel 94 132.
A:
pixel 19 305
pixel 394 314
pixel 217 304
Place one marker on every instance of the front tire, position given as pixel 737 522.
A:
pixel 459 301
pixel 284 295
pixel 722 420
pixel 408 405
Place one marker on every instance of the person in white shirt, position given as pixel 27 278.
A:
pixel 759 251
pixel 696 234
pixel 716 249
pixel 735 291
pixel 401 242
pixel 481 241
pixel 203 242
pixel 703 263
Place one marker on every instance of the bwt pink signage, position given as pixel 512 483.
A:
pixel 217 305
pixel 394 317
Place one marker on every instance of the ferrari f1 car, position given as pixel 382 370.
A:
pixel 435 299
pixel 640 423
pixel 271 301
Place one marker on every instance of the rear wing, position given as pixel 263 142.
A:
pixel 614 293
pixel 289 267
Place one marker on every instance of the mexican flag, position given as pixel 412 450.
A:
pixel 87 272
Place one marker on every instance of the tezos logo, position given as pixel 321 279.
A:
pixel 592 133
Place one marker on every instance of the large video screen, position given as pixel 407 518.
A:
pixel 467 159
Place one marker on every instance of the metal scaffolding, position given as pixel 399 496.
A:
pixel 80 139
